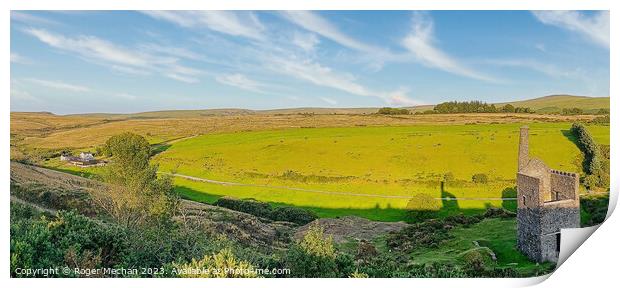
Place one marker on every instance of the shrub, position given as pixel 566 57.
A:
pixel 423 206
pixel 475 260
pixel 295 215
pixel 595 164
pixel 448 177
pixel 480 178
pixel 594 209
pixel 393 111
pixel 508 108
pixel 313 256
pixel 220 265
pixel 572 111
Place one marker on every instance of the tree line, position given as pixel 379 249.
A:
pixel 596 163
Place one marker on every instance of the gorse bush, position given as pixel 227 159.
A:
pixel 315 256
pixel 220 265
pixel 261 209
pixel 69 240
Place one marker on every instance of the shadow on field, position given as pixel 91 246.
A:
pixel 159 148
pixel 85 174
pixel 509 192
pixel 449 206
pixel 570 136
pixel 448 200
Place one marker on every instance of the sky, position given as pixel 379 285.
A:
pixel 69 62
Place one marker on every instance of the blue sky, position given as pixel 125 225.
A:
pixel 130 61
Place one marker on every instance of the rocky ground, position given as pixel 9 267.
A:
pixel 348 228
pixel 53 190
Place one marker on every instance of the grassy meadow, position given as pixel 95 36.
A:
pixel 368 171
pixel 373 166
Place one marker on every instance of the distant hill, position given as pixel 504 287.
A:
pixel 555 103
pixel 170 114
pixel 546 104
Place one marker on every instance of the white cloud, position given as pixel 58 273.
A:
pixel 173 51
pixel 329 101
pixel 126 96
pixel 317 24
pixel 59 85
pixel 16 58
pixel 317 74
pixel 240 81
pixel 23 96
pixel 547 69
pixel 595 27
pixel 26 18
pixel 320 75
pixel 133 61
pixel 541 47
pixel 235 23
pixel 420 43
pixel 400 98
pixel 306 41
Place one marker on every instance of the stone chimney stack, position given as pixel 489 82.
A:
pixel 524 154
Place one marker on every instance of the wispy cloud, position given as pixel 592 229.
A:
pixel 420 42
pixel 27 18
pixel 134 61
pixel 126 96
pixel 329 101
pixel 240 81
pixel 306 41
pixel 320 75
pixel 317 24
pixel 235 23
pixel 544 68
pixel 59 85
pixel 17 58
pixel 19 95
pixel 595 26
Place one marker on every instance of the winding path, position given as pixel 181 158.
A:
pixel 225 183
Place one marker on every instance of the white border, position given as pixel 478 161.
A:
pixel 590 264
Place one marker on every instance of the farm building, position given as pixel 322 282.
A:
pixel 547 201
pixel 85 159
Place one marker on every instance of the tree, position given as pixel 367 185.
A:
pixel 393 111
pixel 508 108
pixel 134 194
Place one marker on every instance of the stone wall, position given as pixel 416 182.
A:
pixel 564 185
pixel 524 156
pixel 528 232
pixel 528 191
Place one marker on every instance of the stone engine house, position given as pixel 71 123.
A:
pixel 547 201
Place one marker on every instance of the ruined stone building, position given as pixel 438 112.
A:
pixel 547 201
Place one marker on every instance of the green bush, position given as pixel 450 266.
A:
pixel 595 164
pixel 393 111
pixel 480 178
pixel 285 213
pixel 313 256
pixel 220 265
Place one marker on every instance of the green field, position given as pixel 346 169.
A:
pixel 498 235
pixel 367 171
